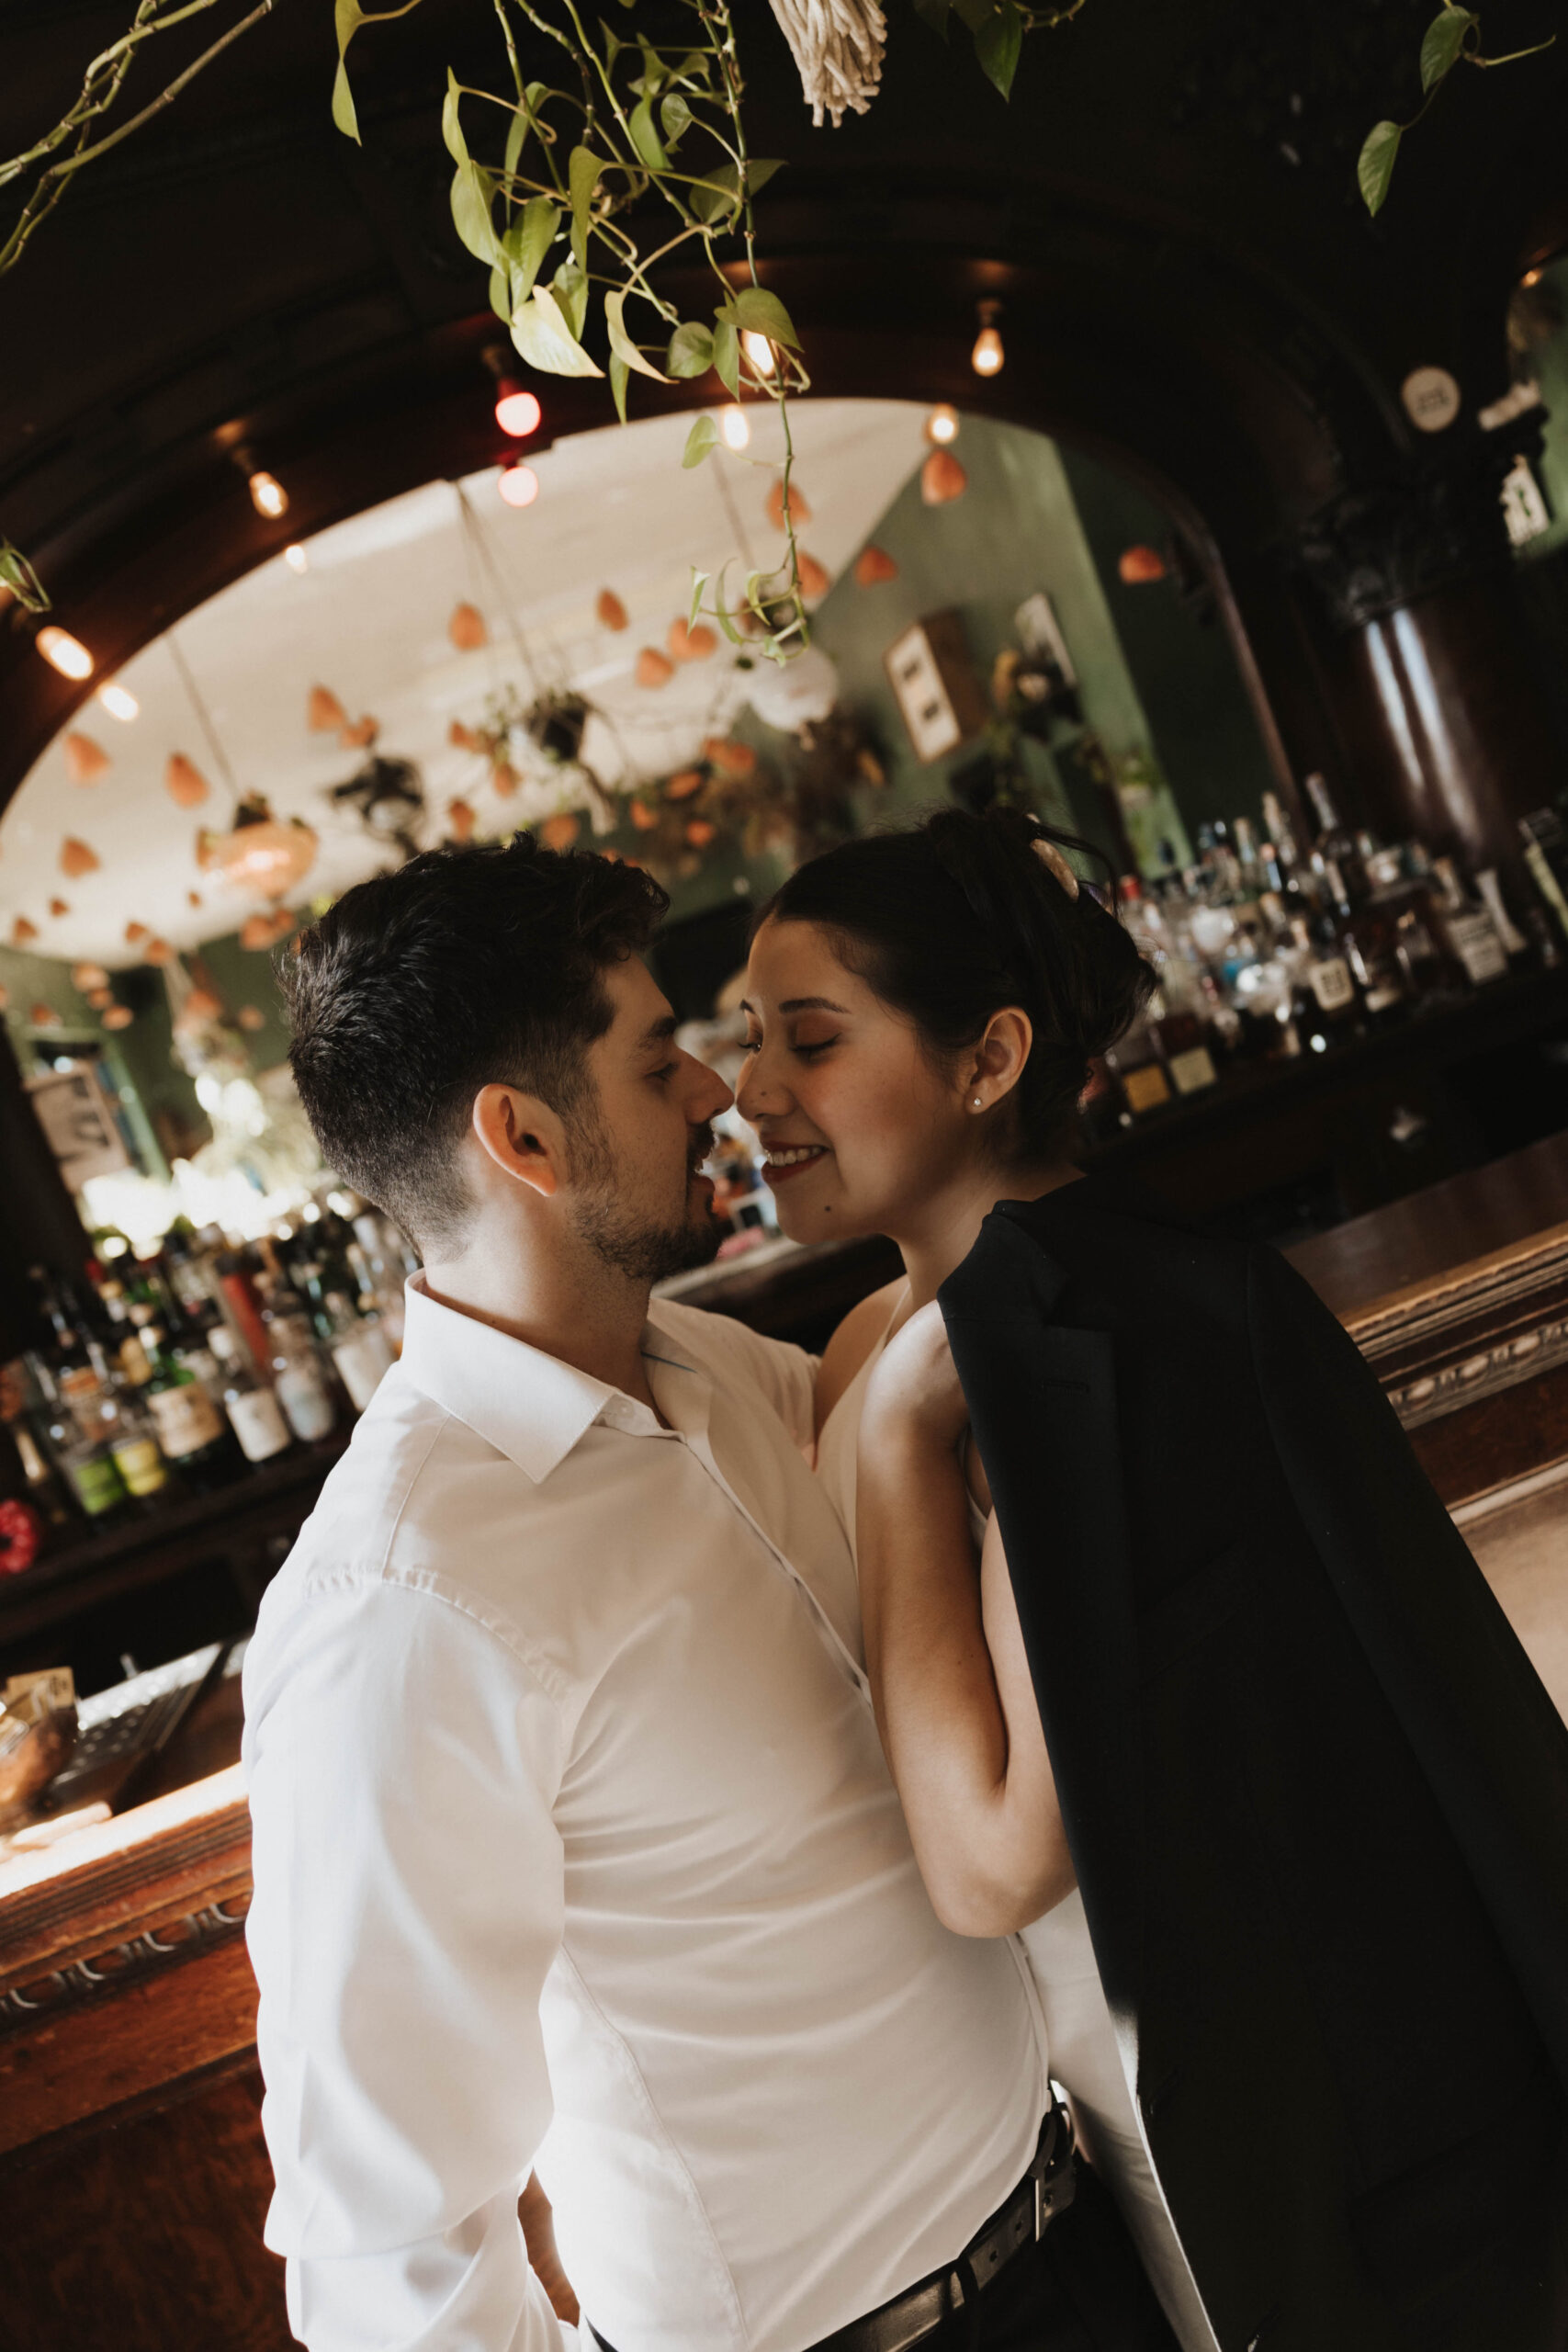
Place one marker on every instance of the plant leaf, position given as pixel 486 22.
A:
pixel 998 44
pixel 621 341
pixel 22 580
pixel 528 240
pixel 934 13
pixel 690 352
pixel 676 117
pixel 756 311
pixel 451 129
pixel 699 581
pixel 973 12
pixel 613 45
pixel 702 436
pixel 570 287
pixel 501 301
pixel 516 132
pixel 545 340
pixel 1374 166
pixel 726 358
pixel 617 376
pixel 473 191
pixel 716 194
pixel 349 16
pixel 645 139
pixel 1443 43
pixel 582 178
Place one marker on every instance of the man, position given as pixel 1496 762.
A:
pixel 570 1815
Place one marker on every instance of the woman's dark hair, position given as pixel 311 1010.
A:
pixel 952 921
pixel 463 968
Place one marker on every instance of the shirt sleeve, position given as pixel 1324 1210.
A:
pixel 409 1903
pixel 785 1374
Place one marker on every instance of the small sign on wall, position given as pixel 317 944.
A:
pixel 78 1125
pixel 932 677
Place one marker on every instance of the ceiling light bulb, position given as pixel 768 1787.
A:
pixel 987 355
pixel 941 424
pixel 67 653
pixel 268 496
pixel 760 352
pixel 519 485
pixel 1530 277
pixel 118 702
pixel 296 559
pixel 517 411
pixel 733 424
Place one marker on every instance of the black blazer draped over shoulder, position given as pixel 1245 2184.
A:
pixel 1317 1796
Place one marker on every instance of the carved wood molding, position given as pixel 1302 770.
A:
pixel 1487 1327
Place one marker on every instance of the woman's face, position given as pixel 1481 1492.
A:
pixel 862 1129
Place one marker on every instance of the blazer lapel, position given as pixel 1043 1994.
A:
pixel 1042 1405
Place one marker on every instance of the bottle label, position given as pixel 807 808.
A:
pixel 1381 994
pixel 1194 1069
pixel 186 1418
pixel 80 1386
pixel 258 1424
pixel 140 1464
pixel 308 1403
pixel 363 1358
pixel 1332 984
pixel 1144 1089
pixel 1478 947
pixel 97 1484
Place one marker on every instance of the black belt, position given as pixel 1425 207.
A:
pixel 1047 2190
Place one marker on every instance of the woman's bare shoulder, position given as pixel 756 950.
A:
pixel 851 1344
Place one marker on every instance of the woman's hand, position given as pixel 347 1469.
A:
pixel 914 1386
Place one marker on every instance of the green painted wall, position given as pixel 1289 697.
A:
pixel 1549 366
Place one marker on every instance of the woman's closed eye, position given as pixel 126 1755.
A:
pixel 803 1049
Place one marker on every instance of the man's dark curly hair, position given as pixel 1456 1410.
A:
pixel 464 967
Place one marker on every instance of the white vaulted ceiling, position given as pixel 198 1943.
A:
pixel 368 619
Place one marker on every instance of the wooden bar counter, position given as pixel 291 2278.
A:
pixel 135 2179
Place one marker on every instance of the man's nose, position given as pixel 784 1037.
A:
pixel 709 1097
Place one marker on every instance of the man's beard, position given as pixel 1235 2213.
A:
pixel 642 1252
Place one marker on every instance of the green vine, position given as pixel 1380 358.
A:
pixel 1452 38
pixel 577 196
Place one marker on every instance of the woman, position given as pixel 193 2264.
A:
pixel 1209 1540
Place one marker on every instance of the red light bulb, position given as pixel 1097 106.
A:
pixel 517 411
pixel 519 485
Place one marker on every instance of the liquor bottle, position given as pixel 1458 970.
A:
pixel 1322 1003
pixel 303 1389
pixel 1134 1064
pixel 83 1454
pixel 359 1349
pixel 241 1300
pixel 190 1427
pixel 1335 843
pixel 44 1488
pixel 1545 838
pixel 128 1426
pixel 1467 928
pixel 1488 883
pixel 250 1403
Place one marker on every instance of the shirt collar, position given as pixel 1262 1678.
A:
pixel 528 1405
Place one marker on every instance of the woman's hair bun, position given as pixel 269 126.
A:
pixel 963 914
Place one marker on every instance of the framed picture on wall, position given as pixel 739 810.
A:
pixel 932 673
pixel 1039 631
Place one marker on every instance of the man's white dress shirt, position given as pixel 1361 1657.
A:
pixel 573 1842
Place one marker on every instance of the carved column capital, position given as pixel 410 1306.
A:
pixel 1433 523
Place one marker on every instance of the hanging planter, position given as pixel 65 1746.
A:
pixel 184 782
pixel 262 853
pixel 85 762
pixel 554 724
pixel 466 628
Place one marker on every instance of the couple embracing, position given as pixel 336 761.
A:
pixel 1028 1833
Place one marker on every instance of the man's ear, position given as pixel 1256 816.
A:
pixel 522 1136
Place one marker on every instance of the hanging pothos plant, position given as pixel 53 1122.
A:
pixel 574 196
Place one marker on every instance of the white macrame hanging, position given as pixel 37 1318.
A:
pixel 837 46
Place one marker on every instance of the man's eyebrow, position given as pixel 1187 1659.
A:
pixel 658 1033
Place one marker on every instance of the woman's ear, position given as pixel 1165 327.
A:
pixel 522 1137
pixel 998 1059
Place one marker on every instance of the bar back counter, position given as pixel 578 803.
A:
pixel 136 2180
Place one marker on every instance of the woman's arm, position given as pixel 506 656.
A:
pixel 956 1704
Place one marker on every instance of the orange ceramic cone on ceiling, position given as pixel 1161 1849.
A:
pixel 799 513
pixel 184 782
pixel 466 628
pixel 1139 565
pixel 814 581
pixel 85 762
pixel 23 932
pixel 324 713
pixel 653 668
pixel 77 858
pixel 688 644
pixel 612 613
pixel 943 478
pixel 872 566
pixel 559 832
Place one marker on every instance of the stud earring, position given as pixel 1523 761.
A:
pixel 978 1104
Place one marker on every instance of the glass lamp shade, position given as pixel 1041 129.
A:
pixel 263 854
